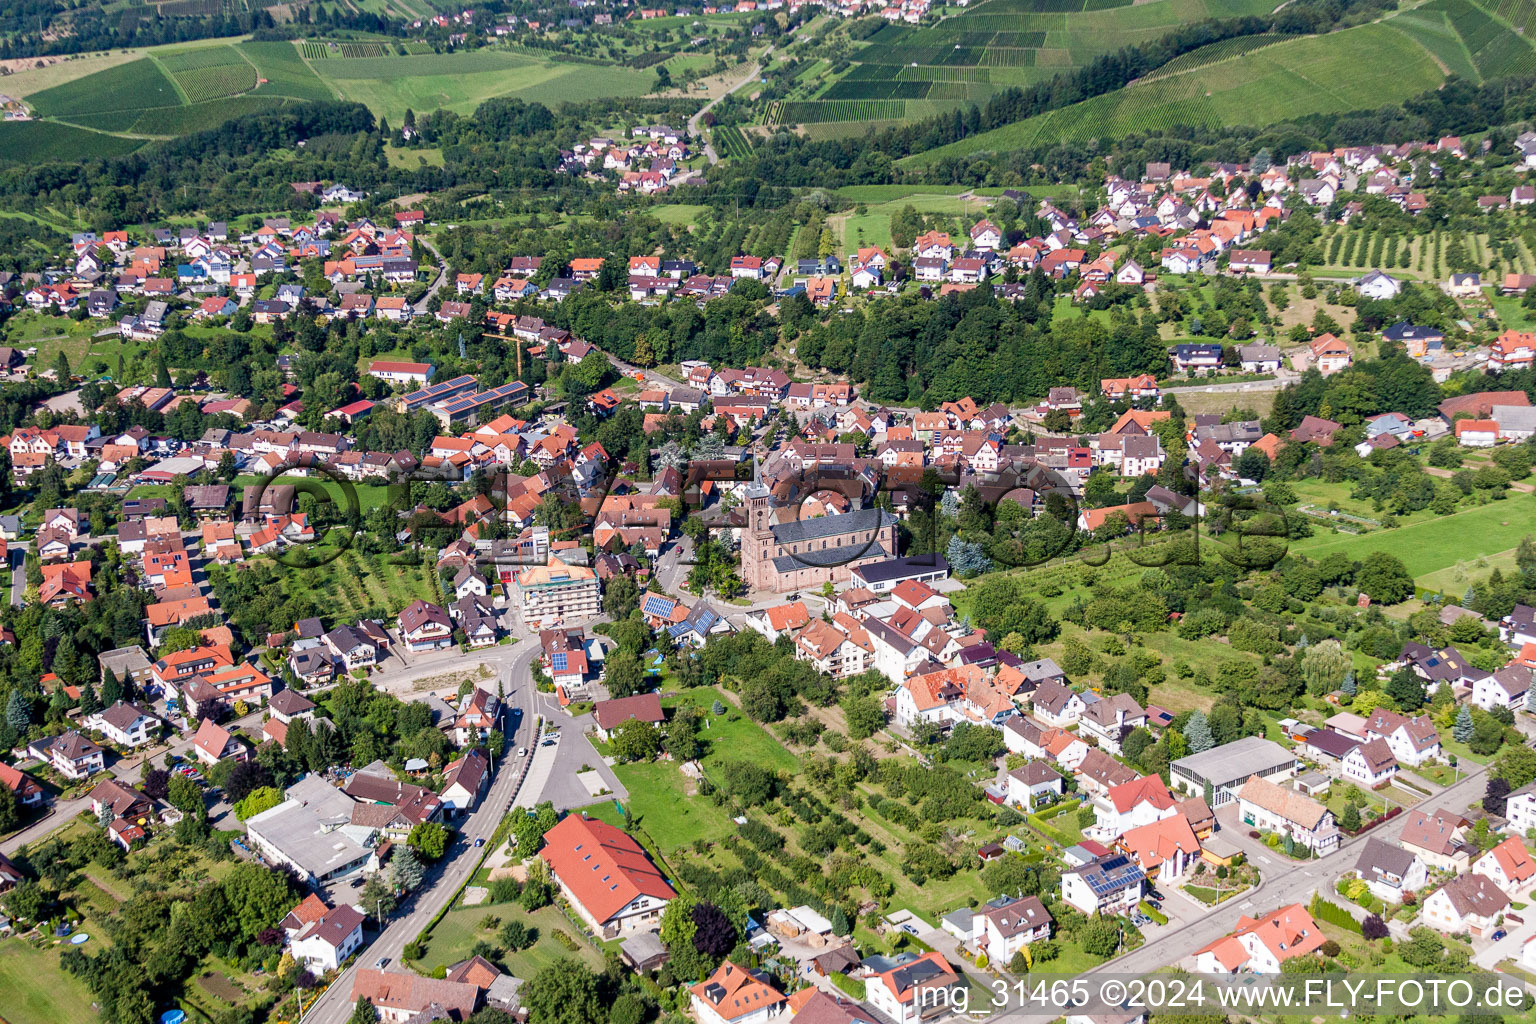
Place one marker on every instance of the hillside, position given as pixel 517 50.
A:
pixel 1354 69
pixel 902 72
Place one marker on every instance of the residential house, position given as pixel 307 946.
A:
pixel 1390 870
pixel 608 879
pixel 214 743
pixel 1370 764
pixel 325 944
pixel 1509 864
pixel 735 995
pixel 1469 904
pixel 425 627
pixel 1438 838
pixel 913 991
pixel 1262 945
pixel 125 724
pixel 1264 805
pixel 1106 885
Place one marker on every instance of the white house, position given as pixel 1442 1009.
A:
pixel 1390 870
pixel 1108 885
pixel 1370 764
pixel 1264 805
pixel 735 995
pixel 1054 704
pixel 1509 864
pixel 324 945
pixel 1003 926
pixel 912 991
pixel 1034 784
pixel 1520 809
pixel 1413 741
pixel 1470 903
pixel 1376 285
pixel 1506 688
pixel 606 876
pixel 1132 805
pixel 124 724
pixel 1262 945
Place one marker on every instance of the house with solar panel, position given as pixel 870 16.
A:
pixel 565 659
pixel 701 623
pixel 1108 885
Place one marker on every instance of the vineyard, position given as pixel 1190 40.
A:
pixel 1205 55
pixel 1496 51
pixel 356 50
pixel 1432 30
pixel 730 141
pixel 811 112
pixel 1519 13
pixel 1368 65
pixel 285 71
pixel 210 74
pixel 315 51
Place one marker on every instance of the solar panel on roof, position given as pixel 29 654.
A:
pixel 559 661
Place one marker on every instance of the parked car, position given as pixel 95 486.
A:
pixel 1496 936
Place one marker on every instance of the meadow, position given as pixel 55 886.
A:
pixel 1435 543
pixel 462 81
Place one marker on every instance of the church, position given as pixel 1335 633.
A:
pixel 805 553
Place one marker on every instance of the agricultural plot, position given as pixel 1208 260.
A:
pixel 1432 30
pixel 1496 51
pixel 842 110
pixel 730 141
pixel 214 82
pixel 1520 14
pixel 127 87
pixel 1224 50
pixel 36 142
pixel 995 45
pixel 1358 68
pixel 285 72
pixel 461 81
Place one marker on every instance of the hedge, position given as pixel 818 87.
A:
pixel 1331 912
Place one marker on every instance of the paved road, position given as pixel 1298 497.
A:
pixel 693 122
pixel 437 282
pixel 17 555
pixel 335 1005
pixel 131 771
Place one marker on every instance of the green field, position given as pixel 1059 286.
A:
pixel 43 141
pixel 462 81
pixel 1358 68
pixel 127 87
pixel 456 934
pixel 1439 542
pixel 166 93
pixel 285 71
pixel 37 991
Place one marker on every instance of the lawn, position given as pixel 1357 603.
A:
pixel 660 806
pixel 37 991
pixel 733 736
pixel 456 934
pixel 1436 542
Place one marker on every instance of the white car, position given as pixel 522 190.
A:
pixel 522 751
